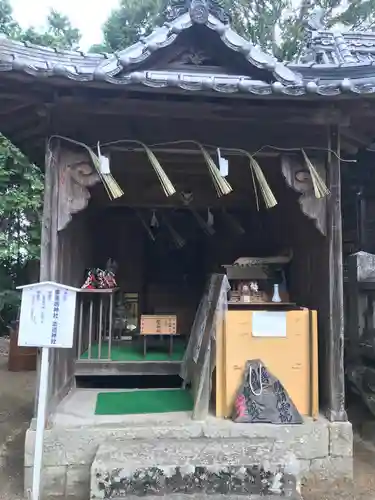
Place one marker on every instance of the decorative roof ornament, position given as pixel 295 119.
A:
pixel 324 46
pixel 199 10
pixel 315 21
pixel 313 24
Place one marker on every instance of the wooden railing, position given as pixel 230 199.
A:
pixel 199 359
pixel 95 324
pixel 104 345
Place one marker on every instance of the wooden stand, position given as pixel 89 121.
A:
pixel 145 337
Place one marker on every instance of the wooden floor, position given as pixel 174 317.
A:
pixel 127 358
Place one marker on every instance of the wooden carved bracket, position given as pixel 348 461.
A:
pixel 76 176
pixel 298 178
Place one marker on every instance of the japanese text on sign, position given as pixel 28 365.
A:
pixel 47 316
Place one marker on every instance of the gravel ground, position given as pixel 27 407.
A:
pixel 16 403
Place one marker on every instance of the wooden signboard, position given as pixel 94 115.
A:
pixel 158 324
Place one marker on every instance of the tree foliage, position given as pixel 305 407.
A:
pixel 21 182
pixel 274 25
pixel 59 33
pixel 21 188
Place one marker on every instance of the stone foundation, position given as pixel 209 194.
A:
pixel 208 466
pixel 322 449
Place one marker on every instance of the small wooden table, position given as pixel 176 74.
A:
pixel 159 325
pixel 153 335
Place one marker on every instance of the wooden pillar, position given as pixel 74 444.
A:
pixel 335 341
pixel 46 236
pixel 352 313
pixel 48 250
pixel 361 243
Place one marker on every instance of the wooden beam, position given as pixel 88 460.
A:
pixel 208 111
pixel 10 110
pixel 194 154
pixel 357 137
pixel 335 341
pixel 165 130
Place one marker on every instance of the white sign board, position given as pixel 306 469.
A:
pixel 46 320
pixel 269 324
pixel 47 315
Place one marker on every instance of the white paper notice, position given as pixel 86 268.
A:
pixel 47 316
pixel 104 165
pixel 223 164
pixel 269 324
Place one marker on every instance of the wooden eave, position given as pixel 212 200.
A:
pixel 44 91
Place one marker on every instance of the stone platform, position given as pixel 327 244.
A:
pixel 200 465
pixel 84 453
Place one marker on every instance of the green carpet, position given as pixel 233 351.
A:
pixel 135 402
pixel 129 352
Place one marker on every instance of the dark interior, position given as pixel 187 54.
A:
pixel 169 273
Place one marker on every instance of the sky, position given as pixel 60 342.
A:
pixel 86 15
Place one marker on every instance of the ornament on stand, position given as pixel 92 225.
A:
pixel 90 282
pixel 101 279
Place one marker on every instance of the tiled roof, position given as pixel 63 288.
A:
pixel 327 47
pixel 332 64
pixel 336 47
pixel 41 61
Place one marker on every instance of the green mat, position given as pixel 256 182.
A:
pixel 135 402
pixel 129 352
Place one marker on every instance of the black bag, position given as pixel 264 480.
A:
pixel 263 399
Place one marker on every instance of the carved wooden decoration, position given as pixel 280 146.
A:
pixel 298 178
pixel 76 176
pixel 194 57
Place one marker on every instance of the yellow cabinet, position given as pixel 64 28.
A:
pixel 292 358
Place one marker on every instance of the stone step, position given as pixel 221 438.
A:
pixel 196 466
pixel 202 496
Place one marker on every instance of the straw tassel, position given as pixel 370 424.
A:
pixel 258 175
pixel 319 186
pixel 164 180
pixel 109 182
pixel 222 186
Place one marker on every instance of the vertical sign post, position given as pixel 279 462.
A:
pixel 46 321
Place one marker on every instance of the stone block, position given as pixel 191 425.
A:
pixel 307 441
pixel 200 496
pixel 207 480
pixel 54 449
pixel 73 449
pixel 134 455
pixel 331 468
pixel 78 481
pixel 340 439
pixel 77 446
pixel 53 481
pixel 198 465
